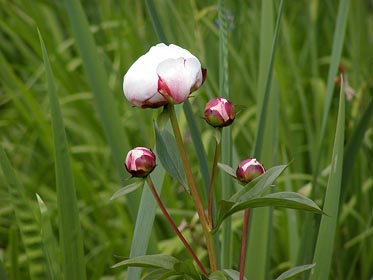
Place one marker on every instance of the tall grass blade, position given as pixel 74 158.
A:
pixel 311 224
pixel 50 244
pixel 353 146
pixel 325 239
pixel 104 100
pixel 339 34
pixel 155 20
pixel 26 220
pixel 144 221
pixel 226 141
pixel 3 274
pixel 198 146
pixel 260 221
pixel 71 243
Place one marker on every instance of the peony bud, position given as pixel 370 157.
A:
pixel 140 162
pixel 165 74
pixel 219 112
pixel 249 169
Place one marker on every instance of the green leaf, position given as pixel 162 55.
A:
pixel 217 275
pixel 145 220
pixel 291 273
pixel 290 200
pixel 104 100
pixel 233 274
pixel 168 155
pixel 155 274
pixel 71 243
pixel 257 186
pixel 128 189
pixel 326 235
pixel 162 119
pixel 227 169
pixel 186 268
pixel 50 244
pixel 157 261
pixel 198 146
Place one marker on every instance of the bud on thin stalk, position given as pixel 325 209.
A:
pixel 140 161
pixel 219 112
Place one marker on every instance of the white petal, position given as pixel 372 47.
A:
pixel 180 75
pixel 140 83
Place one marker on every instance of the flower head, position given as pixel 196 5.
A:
pixel 219 112
pixel 165 74
pixel 249 169
pixel 140 162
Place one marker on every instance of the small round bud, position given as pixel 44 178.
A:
pixel 140 162
pixel 219 112
pixel 249 169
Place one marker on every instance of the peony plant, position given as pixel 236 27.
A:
pixel 166 76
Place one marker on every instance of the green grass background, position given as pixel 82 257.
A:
pixel 91 46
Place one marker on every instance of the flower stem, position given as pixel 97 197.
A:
pixel 173 225
pixel 212 181
pixel 244 243
pixel 193 189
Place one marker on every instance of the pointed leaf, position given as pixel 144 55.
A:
pixel 290 200
pixel 71 242
pixel 168 155
pixel 325 240
pixel 217 275
pixel 227 169
pixel 50 244
pixel 280 199
pixel 291 273
pixel 186 268
pixel 233 274
pixel 127 189
pixel 259 184
pixel 158 261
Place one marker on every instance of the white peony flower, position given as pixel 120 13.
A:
pixel 165 74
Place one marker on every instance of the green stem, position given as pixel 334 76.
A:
pixel 173 225
pixel 193 188
pixel 212 180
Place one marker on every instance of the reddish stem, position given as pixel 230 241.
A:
pixel 245 231
pixel 173 225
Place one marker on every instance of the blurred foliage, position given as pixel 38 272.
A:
pixel 123 31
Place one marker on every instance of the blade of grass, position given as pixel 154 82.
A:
pixel 155 20
pixel 198 146
pixel 260 222
pixel 311 224
pixel 226 141
pixel 26 221
pixel 104 100
pixel 71 243
pixel 3 274
pixel 49 241
pixel 144 221
pixel 339 34
pixel 353 146
pixel 325 239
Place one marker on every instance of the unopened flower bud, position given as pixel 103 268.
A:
pixel 165 74
pixel 249 169
pixel 140 162
pixel 219 112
